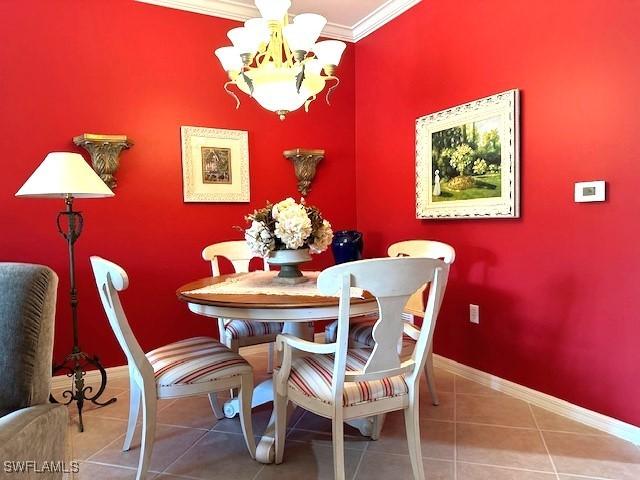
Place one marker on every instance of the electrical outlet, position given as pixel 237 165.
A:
pixel 474 313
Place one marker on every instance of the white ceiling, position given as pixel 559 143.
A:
pixel 347 20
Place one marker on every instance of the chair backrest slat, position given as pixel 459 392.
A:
pixel 236 251
pixel 111 279
pixel 426 249
pixel 392 281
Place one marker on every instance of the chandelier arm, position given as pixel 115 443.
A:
pixel 330 91
pixel 308 102
pixel 260 58
pixel 230 92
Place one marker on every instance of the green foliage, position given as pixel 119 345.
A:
pixel 451 161
pixel 461 158
pixel 480 167
pixel 489 148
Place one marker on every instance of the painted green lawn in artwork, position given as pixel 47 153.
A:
pixel 466 161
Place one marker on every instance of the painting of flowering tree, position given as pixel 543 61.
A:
pixel 466 161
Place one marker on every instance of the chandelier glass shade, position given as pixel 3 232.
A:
pixel 279 63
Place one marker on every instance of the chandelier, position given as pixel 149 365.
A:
pixel 279 63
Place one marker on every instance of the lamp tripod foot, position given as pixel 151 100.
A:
pixel 75 365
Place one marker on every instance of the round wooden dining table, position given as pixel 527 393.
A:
pixel 298 312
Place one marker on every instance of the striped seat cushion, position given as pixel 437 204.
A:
pixel 195 360
pixel 235 329
pixel 312 377
pixel 361 332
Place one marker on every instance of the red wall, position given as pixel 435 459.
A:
pixel 69 67
pixel 557 289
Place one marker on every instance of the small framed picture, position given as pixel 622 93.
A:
pixel 467 160
pixel 215 165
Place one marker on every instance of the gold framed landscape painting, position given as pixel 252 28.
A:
pixel 215 165
pixel 467 160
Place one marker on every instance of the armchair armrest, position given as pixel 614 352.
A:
pixel 287 343
pixel 285 339
pixel 35 434
pixel 410 330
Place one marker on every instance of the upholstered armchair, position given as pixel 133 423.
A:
pixel 31 428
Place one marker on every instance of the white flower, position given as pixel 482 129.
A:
pixel 323 238
pixel 280 207
pixel 293 225
pixel 259 239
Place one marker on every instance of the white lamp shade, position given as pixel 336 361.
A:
pixel 62 174
pixel 273 9
pixel 311 22
pixel 260 28
pixel 245 40
pixel 229 58
pixel 275 88
pixel 298 38
pixel 329 52
pixel 313 66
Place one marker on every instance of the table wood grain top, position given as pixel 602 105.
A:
pixel 255 300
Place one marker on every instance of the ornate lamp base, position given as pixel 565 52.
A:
pixel 75 365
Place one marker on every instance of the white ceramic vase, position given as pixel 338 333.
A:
pixel 289 261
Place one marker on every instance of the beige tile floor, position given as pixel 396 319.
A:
pixel 474 434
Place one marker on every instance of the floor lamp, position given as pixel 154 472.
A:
pixel 67 176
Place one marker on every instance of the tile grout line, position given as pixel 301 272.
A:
pixel 403 455
pixel 535 420
pixel 183 453
pixel 506 467
pixel 578 476
pixel 115 465
pixel 364 450
pixel 118 438
pixel 258 472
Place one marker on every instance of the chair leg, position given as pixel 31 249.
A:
pixel 234 347
pixel 412 425
pixel 431 379
pixel 134 408
pixel 215 406
pixel 378 422
pixel 280 411
pixel 270 357
pixel 149 411
pixel 246 393
pixel 338 447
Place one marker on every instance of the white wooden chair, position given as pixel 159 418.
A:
pixel 360 333
pixel 194 366
pixel 336 382
pixel 241 333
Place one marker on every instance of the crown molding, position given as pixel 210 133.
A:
pixel 214 8
pixel 233 10
pixel 381 15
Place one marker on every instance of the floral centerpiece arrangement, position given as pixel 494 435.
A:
pixel 285 233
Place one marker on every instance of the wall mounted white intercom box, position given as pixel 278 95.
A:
pixel 594 191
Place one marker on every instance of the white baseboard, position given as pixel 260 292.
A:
pixel 555 405
pixel 92 376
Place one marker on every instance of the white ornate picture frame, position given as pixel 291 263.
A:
pixel 468 160
pixel 215 165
